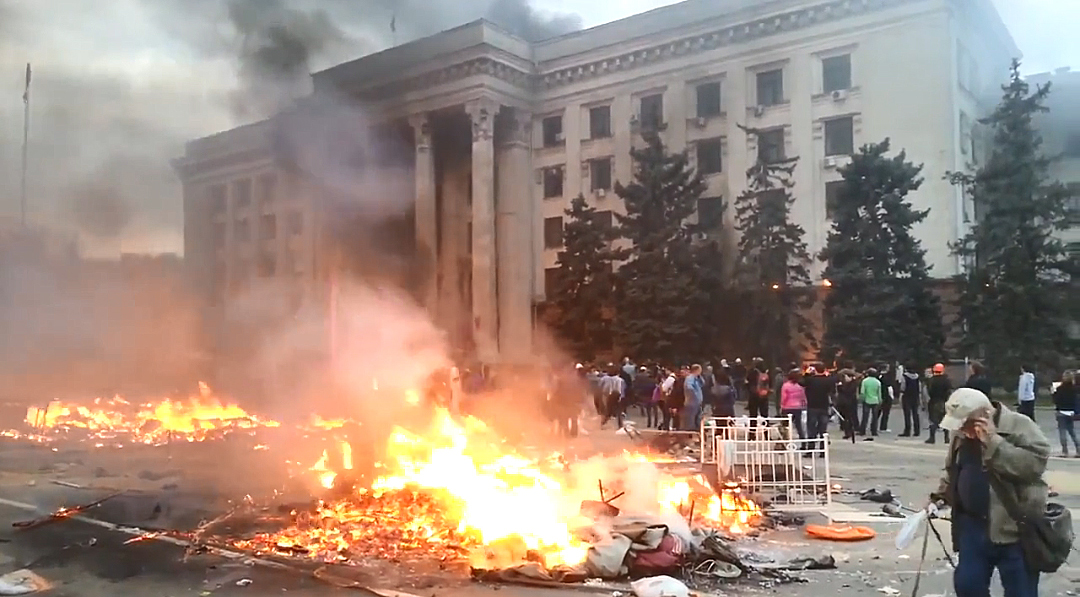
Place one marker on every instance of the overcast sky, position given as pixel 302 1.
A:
pixel 120 85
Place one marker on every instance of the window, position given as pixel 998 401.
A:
pixel 840 136
pixel 832 195
pixel 268 227
pixel 1072 204
pixel 219 235
pixel 553 232
pixel 242 192
pixel 710 156
pixel 295 223
pixel 242 231
pixel 267 189
pixel 771 145
pixel 772 199
pixel 710 211
pixel 836 73
pixel 217 199
pixel 600 122
pixel 967 70
pixel 267 265
pixel 770 88
pixel 553 133
pixel 708 99
pixel 1072 145
pixel 551 279
pixel 600 173
pixel 553 182
pixel 603 219
pixel 652 112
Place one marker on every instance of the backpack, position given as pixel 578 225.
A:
pixel 1046 540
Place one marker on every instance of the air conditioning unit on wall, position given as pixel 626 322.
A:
pixel 831 163
pixel 839 95
pixel 759 111
pixel 601 193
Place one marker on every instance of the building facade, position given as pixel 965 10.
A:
pixel 505 133
pixel 1060 128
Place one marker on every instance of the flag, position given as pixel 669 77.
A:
pixel 393 23
pixel 26 94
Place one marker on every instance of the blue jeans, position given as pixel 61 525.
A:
pixel 691 416
pixel 1067 430
pixel 978 559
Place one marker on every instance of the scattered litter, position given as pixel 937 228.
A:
pixel 910 530
pixel 22 582
pixel 61 514
pixel 659 586
pixel 243 582
pixel 877 496
pixel 890 591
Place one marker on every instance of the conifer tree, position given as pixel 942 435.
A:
pixel 774 264
pixel 1014 297
pixel 658 289
pixel 584 285
pixel 880 306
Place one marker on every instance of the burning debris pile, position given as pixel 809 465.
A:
pixel 116 422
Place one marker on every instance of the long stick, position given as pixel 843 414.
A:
pixel 26 143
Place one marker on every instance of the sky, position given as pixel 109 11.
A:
pixel 119 86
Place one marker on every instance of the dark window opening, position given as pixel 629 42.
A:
pixel 652 112
pixel 600 174
pixel 1072 145
pixel 218 199
pixel 553 233
pixel 836 73
pixel 710 156
pixel 268 227
pixel 708 99
pixel 551 279
pixel 600 122
pixel 242 192
pixel 710 211
pixel 832 196
pixel 840 136
pixel 771 145
pixel 770 88
pixel 603 219
pixel 553 131
pixel 267 189
pixel 553 182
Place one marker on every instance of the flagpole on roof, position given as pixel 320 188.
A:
pixel 26 142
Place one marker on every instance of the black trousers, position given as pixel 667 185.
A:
pixel 912 425
pixel 886 408
pixel 850 414
pixel 758 406
pixel 871 414
pixel 1027 408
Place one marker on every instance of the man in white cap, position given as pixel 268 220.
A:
pixel 991 445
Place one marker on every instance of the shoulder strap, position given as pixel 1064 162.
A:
pixel 1007 497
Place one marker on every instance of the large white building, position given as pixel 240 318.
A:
pixel 1060 128
pixel 504 133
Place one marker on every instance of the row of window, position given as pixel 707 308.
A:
pixel 242 191
pixel 709 210
pixel 769 88
pixel 839 141
pixel 268 228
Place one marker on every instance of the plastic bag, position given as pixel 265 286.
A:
pixel 659 586
pixel 910 530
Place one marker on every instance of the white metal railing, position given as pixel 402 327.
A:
pixel 767 461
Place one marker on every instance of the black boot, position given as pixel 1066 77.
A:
pixel 933 437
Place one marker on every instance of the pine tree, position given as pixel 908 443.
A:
pixel 1014 298
pixel 655 317
pixel 584 284
pixel 774 264
pixel 881 307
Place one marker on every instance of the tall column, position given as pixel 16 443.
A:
pixel 514 234
pixel 484 282
pixel 426 226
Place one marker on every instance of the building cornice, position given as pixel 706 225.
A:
pixel 497 66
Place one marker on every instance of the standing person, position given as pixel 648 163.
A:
pixel 1065 397
pixel 676 400
pixel 724 401
pixel 1025 391
pixel 613 387
pixel 757 390
pixel 978 378
pixel 847 402
pixel 793 400
pixel 691 414
pixel 593 377
pixel 870 395
pixel 938 390
pixel 819 387
pixel 656 401
pixel 667 386
pixel 567 402
pixel 778 379
pixel 708 381
pixel 738 376
pixel 644 384
pixel 995 452
pixel 910 395
pixel 890 391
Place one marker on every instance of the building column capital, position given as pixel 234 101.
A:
pixel 482 113
pixel 421 126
